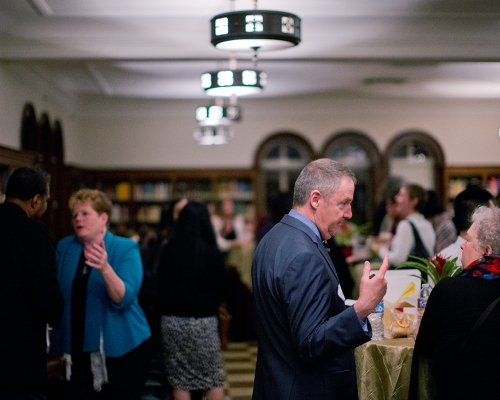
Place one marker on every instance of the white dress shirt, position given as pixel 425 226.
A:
pixel 403 240
pixel 454 250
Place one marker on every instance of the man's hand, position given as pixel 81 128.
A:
pixel 371 290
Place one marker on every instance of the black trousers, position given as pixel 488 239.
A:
pixel 126 376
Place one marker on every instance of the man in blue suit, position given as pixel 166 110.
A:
pixel 306 335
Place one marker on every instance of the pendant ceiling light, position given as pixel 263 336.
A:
pixel 233 82
pixel 217 115
pixel 213 135
pixel 255 30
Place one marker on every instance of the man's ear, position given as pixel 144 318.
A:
pixel 488 250
pixel 315 198
pixel 34 201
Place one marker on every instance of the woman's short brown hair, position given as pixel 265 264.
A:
pixel 99 201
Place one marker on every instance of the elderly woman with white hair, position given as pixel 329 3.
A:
pixel 460 330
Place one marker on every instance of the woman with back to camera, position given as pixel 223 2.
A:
pixel 104 333
pixel 459 333
pixel 193 278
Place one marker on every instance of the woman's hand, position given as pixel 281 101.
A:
pixel 97 258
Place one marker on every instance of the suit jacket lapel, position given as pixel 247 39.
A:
pixel 287 219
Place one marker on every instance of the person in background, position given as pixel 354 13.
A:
pixel 306 335
pixel 341 267
pixel 151 248
pixel 441 221
pixel 455 334
pixel 29 292
pixel 385 220
pixel 230 228
pixel 464 205
pixel 409 201
pixel 277 206
pixel 193 279
pixel 104 333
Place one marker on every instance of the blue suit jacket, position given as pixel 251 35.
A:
pixel 306 335
pixel 123 325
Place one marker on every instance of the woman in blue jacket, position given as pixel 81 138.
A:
pixel 104 334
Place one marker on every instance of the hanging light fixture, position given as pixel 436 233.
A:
pixel 255 29
pixel 213 135
pixel 230 82
pixel 217 115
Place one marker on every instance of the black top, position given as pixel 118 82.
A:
pixel 191 270
pixel 231 235
pixel 30 298
pixel 78 305
pixel 454 306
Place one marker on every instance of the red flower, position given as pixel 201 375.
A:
pixel 439 263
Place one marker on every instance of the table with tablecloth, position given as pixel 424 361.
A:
pixel 240 257
pixel 383 369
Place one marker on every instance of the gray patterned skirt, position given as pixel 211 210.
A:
pixel 192 353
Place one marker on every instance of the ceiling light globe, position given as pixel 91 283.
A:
pixel 249 30
pixel 239 82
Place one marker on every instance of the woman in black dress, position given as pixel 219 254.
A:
pixel 192 273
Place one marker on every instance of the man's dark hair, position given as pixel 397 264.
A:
pixel 434 205
pixel 466 202
pixel 26 182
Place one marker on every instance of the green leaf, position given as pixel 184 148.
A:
pixel 450 269
pixel 422 264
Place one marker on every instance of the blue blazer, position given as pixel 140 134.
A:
pixel 306 335
pixel 123 325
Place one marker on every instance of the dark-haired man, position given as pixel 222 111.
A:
pixel 29 293
pixel 463 206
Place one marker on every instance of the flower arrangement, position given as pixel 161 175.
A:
pixel 436 268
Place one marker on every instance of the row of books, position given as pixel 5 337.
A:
pixel 120 214
pixel 459 184
pixel 149 214
pixel 163 191
pixel 159 191
pixel 233 186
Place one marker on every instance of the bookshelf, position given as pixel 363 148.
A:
pixel 139 196
pixel 457 178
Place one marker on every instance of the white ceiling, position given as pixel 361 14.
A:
pixel 159 48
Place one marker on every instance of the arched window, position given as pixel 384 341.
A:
pixel 361 155
pixel 418 158
pixel 279 160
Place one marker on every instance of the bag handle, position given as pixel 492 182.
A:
pixel 418 240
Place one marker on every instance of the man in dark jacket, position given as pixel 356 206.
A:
pixel 29 293
pixel 306 334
